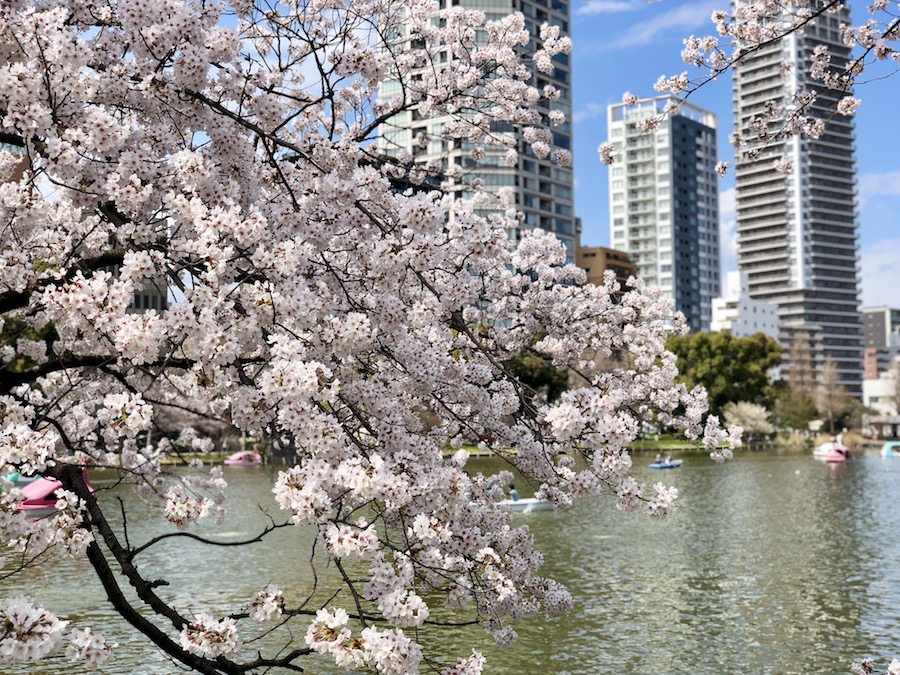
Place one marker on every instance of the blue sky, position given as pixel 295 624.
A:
pixel 625 45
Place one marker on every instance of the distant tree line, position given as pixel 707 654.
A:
pixel 736 372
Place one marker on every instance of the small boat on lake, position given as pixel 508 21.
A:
pixel 40 496
pixel 827 448
pixel 833 452
pixel 19 480
pixel 526 505
pixel 890 449
pixel 666 464
pixel 244 458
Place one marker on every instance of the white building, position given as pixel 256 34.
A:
pixel 739 314
pixel 664 202
pixel 797 231
pixel 881 394
pixel 544 191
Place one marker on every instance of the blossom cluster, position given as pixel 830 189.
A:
pixel 387 651
pixel 90 647
pixel 61 533
pixel 267 604
pixel 28 632
pixel 182 509
pixel 867 667
pixel 211 637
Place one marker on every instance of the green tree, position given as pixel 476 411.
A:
pixel 538 373
pixel 793 408
pixel 14 331
pixel 730 368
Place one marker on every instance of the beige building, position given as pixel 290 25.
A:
pixel 595 260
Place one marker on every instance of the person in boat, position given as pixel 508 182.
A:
pixel 667 459
pixel 658 459
pixel 513 493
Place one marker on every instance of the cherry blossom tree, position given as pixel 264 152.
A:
pixel 322 293
pixel 753 418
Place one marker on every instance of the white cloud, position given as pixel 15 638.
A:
pixel 589 112
pixel 872 185
pixel 592 7
pixel 681 20
pixel 881 273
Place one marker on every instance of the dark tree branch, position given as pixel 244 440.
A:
pixel 203 540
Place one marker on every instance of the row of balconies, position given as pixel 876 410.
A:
pixel 848 252
pixel 766 216
pixel 639 167
pixel 761 66
pixel 832 181
pixel 830 209
pixel 758 172
pixel 749 199
pixel 826 218
pixel 750 245
pixel 778 255
pixel 829 163
pixel 842 144
pixel 842 194
pixel 844 231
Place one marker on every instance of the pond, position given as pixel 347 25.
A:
pixel 774 563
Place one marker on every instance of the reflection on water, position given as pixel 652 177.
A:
pixel 773 564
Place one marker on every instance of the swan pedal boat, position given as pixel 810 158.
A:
pixel 890 449
pixel 244 458
pixel 40 496
pixel 832 452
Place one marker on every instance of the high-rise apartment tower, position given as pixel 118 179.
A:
pixel 543 190
pixel 664 202
pixel 797 230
